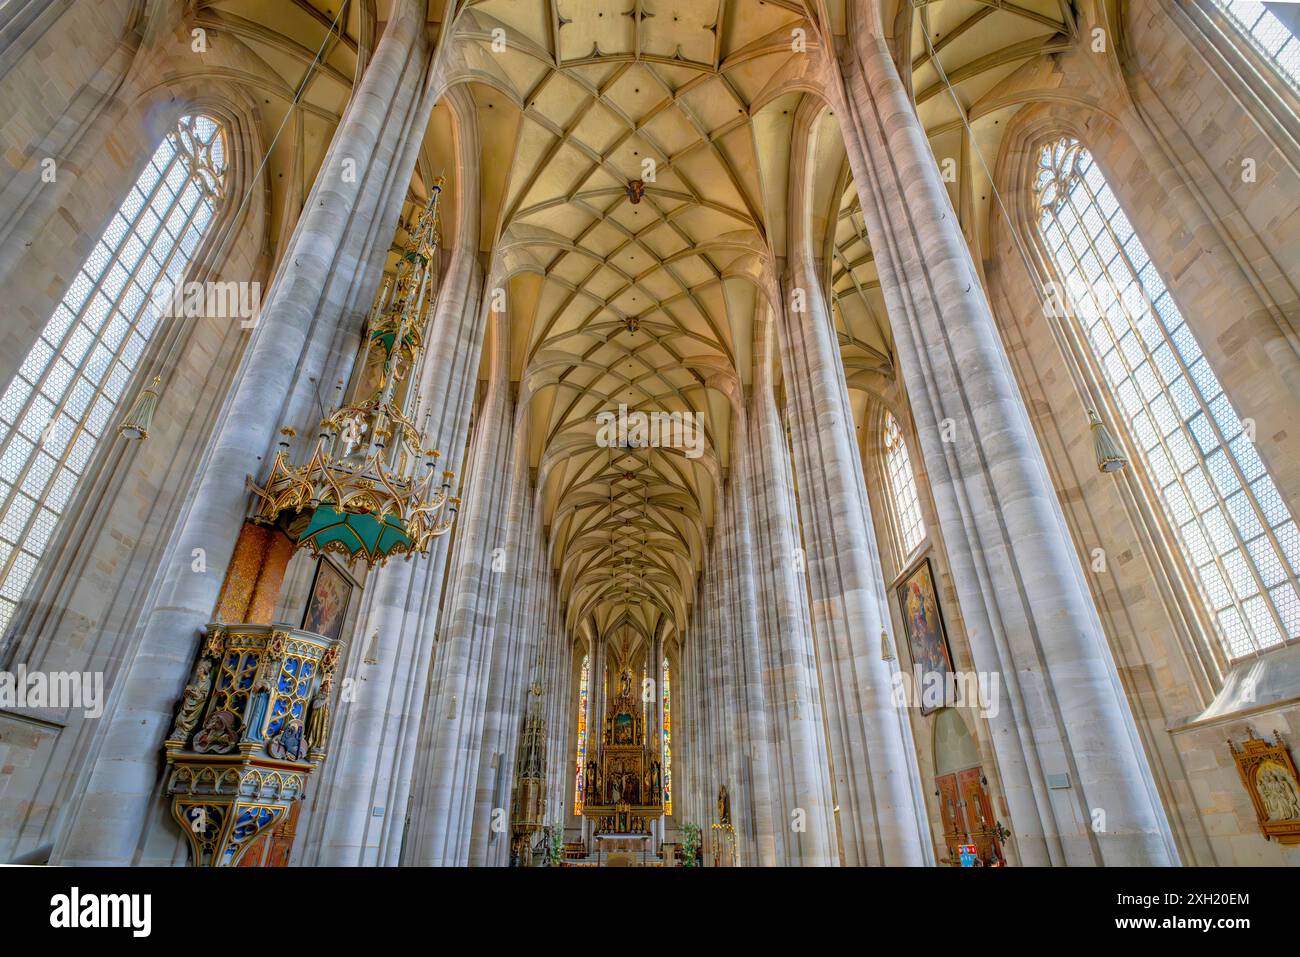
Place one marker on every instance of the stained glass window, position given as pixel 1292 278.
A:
pixel 56 409
pixel 579 788
pixel 902 483
pixel 1235 532
pixel 668 743
pixel 1267 34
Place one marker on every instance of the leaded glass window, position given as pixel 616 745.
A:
pixel 1237 535
pixel 668 743
pixel 579 788
pixel 1267 34
pixel 56 409
pixel 902 485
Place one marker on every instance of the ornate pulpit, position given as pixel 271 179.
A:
pixel 624 782
pixel 253 721
pixel 252 726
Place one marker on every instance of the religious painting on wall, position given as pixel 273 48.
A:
pixel 1270 778
pixel 328 605
pixel 927 640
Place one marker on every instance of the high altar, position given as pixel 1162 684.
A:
pixel 624 782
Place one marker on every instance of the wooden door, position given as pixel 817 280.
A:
pixel 967 815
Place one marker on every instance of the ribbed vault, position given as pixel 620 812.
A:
pixel 297 61
pixel 644 301
pixel 972 64
pixel 641 301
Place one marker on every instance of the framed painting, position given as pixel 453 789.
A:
pixel 331 590
pixel 1270 778
pixel 927 639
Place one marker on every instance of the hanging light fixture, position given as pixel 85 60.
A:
pixel 139 418
pixel 370 487
pixel 1110 458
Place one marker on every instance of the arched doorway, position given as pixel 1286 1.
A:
pixel 962 790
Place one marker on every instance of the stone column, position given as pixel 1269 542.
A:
pixel 1062 714
pixel 595 711
pixel 564 692
pixel 769 828
pixel 562 710
pixel 461 672
pixel 881 814
pixel 689 715
pixel 107 822
pixel 792 687
pixel 359 813
pixel 513 659
pixel 655 722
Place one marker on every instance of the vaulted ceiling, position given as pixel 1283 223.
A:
pixel 648 301
pixel 297 61
pixel 641 301
pixel 968 63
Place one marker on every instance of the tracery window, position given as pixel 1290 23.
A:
pixel 55 411
pixel 668 743
pixel 902 484
pixel 579 787
pixel 1234 530
pixel 1267 34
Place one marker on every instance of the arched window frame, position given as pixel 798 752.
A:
pixel 584 690
pixel 904 495
pixel 1253 79
pixel 667 732
pixel 89 359
pixel 1266 35
pixel 1161 306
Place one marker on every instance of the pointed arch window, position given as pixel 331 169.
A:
pixel 906 509
pixel 1235 532
pixel 579 786
pixel 1267 34
pixel 56 409
pixel 668 742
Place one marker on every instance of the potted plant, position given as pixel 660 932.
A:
pixel 690 845
pixel 555 852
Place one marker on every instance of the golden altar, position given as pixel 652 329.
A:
pixel 624 782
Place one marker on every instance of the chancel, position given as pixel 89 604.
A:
pixel 728 433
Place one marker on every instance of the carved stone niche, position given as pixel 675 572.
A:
pixel 1269 776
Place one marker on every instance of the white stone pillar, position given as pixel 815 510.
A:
pixel 461 671
pixel 881 813
pixel 792 686
pixel 358 815
pixel 107 821
pixel 513 659
pixel 1062 713
pixel 768 829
